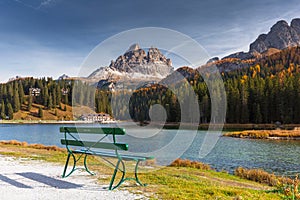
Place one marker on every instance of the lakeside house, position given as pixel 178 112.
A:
pixel 98 117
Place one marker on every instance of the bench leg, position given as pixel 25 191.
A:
pixel 136 174
pixel 66 166
pixel 85 165
pixel 115 173
pixel 123 175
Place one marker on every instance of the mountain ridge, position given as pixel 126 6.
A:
pixel 281 36
pixel 135 64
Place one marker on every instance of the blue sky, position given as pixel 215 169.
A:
pixel 43 38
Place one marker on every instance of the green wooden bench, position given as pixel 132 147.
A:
pixel 98 147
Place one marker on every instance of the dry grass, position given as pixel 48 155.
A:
pixel 49 114
pixel 261 176
pixel 34 146
pixel 265 134
pixel 286 186
pixel 291 191
pixel 192 164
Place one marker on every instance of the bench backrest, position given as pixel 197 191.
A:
pixel 71 140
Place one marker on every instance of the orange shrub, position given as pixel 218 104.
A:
pixel 261 176
pixel 34 146
pixel 188 163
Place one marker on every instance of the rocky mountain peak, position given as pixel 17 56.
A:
pixel 280 36
pixel 279 25
pixel 295 24
pixel 133 47
pixel 136 63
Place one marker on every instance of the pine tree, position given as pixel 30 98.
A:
pixel 16 100
pixel 244 104
pixel 45 97
pixel 10 92
pixel 10 111
pixel 49 102
pixel 41 113
pixel 21 93
pixel 53 98
pixel 58 95
pixel 2 114
pixel 66 99
pixel 29 103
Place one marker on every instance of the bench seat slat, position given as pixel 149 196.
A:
pixel 103 145
pixel 113 155
pixel 92 130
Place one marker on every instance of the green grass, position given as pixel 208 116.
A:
pixel 164 183
pixel 190 183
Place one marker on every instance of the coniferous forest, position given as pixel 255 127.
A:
pixel 266 92
pixel 21 94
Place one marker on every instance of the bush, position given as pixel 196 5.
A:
pixel 192 164
pixel 261 176
pixel 257 175
pixel 34 146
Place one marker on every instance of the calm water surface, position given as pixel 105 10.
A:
pixel 280 157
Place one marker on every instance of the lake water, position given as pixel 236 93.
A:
pixel 280 157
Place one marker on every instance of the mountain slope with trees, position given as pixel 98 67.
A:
pixel 266 92
pixel 262 88
pixel 32 99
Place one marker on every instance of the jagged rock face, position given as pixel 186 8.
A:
pixel 137 64
pixel 133 47
pixel 241 55
pixel 136 60
pixel 280 37
pixel 295 24
pixel 259 44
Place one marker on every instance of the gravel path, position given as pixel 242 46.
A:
pixel 30 180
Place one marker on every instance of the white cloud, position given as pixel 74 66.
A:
pixel 46 3
pixel 40 4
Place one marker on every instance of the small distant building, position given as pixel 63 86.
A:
pixel 99 117
pixel 34 91
pixel 64 91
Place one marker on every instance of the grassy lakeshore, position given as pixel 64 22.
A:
pixel 167 125
pixel 181 180
pixel 42 122
pixel 266 134
pixel 233 127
